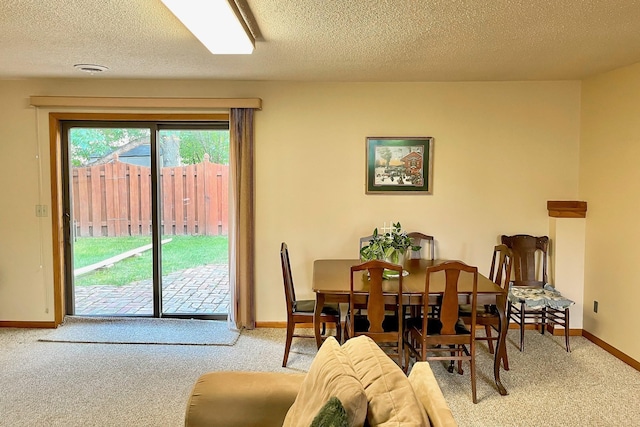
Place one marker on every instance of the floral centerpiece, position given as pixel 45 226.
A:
pixel 391 246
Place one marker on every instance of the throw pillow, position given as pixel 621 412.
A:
pixel 332 414
pixel 392 401
pixel 330 374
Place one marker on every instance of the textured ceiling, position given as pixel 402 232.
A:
pixel 328 40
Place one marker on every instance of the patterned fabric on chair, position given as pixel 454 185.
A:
pixel 554 307
pixel 546 296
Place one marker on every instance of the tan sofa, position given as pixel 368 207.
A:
pixel 371 387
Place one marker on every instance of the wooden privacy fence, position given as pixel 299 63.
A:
pixel 114 199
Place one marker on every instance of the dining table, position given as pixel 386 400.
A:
pixel 332 283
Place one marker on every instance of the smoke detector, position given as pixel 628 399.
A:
pixel 91 68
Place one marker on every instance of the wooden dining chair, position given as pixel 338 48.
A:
pixel 487 315
pixel 377 318
pixel 301 311
pixel 445 337
pixel 537 302
pixel 364 241
pixel 422 240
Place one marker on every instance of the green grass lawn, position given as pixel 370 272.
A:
pixel 181 253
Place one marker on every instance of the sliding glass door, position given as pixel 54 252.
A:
pixel 146 219
pixel 193 210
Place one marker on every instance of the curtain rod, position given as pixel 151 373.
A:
pixel 135 102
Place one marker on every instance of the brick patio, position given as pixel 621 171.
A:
pixel 198 290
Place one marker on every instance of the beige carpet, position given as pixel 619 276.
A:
pixel 71 384
pixel 547 386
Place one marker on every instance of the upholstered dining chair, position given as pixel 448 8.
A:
pixel 530 292
pixel 487 315
pixel 301 311
pixel 378 319
pixel 445 337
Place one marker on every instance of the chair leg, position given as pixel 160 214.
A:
pixel 472 362
pixel 290 328
pixel 324 328
pixel 414 311
pixel 505 360
pixel 452 362
pixel 487 329
pixel 566 329
pixel 406 353
pixel 505 357
pixel 339 332
pixel 521 326
pixel 400 356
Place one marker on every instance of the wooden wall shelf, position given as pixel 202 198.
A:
pixel 567 209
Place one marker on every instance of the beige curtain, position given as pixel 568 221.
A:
pixel 241 219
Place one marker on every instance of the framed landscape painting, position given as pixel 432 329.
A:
pixel 402 165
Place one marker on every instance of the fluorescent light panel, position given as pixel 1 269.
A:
pixel 214 23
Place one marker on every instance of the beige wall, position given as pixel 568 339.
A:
pixel 609 177
pixel 501 151
pixel 567 262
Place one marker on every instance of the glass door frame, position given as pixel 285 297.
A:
pixel 155 127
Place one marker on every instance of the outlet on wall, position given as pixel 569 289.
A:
pixel 41 210
pixel 595 306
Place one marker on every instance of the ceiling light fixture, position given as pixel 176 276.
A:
pixel 218 24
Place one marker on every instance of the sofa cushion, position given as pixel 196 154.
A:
pixel 428 392
pixel 330 374
pixel 241 399
pixel 391 399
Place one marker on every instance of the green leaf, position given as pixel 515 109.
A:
pixel 389 251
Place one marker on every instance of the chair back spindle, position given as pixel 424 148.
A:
pixel 500 272
pixel 287 277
